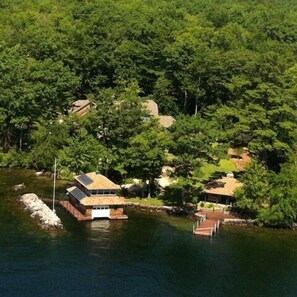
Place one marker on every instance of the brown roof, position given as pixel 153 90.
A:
pixel 80 104
pixel 103 200
pixel 224 186
pixel 95 200
pixel 152 107
pixel 81 107
pixel 96 181
pixel 166 121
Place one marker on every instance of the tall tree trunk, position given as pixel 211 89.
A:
pixel 196 106
pixel 183 197
pixel 7 142
pixel 185 100
pixel 21 140
pixel 143 188
pixel 151 180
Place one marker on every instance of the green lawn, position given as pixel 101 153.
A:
pixel 224 166
pixel 146 201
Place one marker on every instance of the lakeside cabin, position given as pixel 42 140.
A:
pixel 96 197
pixel 221 190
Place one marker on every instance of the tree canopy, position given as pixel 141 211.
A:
pixel 225 69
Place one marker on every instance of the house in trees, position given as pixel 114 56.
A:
pixel 221 190
pixel 153 112
pixel 96 197
pixel 81 107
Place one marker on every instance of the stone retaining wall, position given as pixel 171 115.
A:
pixel 244 222
pixel 168 209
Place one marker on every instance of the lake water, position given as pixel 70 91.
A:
pixel 148 255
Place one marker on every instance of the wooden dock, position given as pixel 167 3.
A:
pixel 74 212
pixel 209 223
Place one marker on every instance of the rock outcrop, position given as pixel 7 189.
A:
pixel 19 187
pixel 46 218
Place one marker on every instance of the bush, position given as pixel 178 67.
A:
pixel 210 205
pixel 14 158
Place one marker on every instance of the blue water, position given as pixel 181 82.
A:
pixel 148 255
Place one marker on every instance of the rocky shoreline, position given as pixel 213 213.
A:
pixel 44 216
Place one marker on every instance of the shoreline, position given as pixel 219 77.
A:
pixel 172 210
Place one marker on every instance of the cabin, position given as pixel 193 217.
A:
pixel 96 197
pixel 81 107
pixel 221 190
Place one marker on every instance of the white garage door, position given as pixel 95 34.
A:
pixel 100 212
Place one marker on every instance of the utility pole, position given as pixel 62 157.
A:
pixel 54 189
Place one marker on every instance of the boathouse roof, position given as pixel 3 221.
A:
pixel 96 181
pixel 225 186
pixel 95 200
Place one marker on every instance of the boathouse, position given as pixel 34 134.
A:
pixel 95 196
pixel 221 190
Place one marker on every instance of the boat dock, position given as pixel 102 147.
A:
pixel 209 222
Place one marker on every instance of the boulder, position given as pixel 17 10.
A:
pixel 19 187
pixel 39 173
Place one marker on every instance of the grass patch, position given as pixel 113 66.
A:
pixel 146 201
pixel 224 166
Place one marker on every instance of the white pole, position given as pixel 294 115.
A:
pixel 54 190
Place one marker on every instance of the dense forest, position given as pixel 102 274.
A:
pixel 225 69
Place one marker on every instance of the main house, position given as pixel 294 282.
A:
pixel 95 196
pixel 82 107
pixel 222 190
